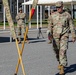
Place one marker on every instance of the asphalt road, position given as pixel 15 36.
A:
pixel 38 56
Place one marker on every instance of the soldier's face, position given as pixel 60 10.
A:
pixel 20 11
pixel 60 9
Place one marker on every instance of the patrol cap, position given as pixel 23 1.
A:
pixel 59 3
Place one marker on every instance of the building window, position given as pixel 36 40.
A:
pixel 0 7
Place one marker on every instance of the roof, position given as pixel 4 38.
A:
pixel 48 2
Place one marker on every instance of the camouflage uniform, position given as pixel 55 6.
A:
pixel 20 17
pixel 59 25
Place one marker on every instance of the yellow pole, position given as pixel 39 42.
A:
pixel 11 24
pixel 21 51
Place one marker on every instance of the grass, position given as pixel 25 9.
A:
pixel 74 22
pixel 33 23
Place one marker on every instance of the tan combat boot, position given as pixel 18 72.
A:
pixel 61 70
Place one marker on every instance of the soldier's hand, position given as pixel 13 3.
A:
pixel 73 39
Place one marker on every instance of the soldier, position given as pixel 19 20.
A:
pixel 20 17
pixel 60 22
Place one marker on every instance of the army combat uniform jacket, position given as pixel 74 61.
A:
pixel 20 18
pixel 60 24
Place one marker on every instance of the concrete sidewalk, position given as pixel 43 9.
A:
pixel 38 56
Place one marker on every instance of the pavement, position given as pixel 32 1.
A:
pixel 38 56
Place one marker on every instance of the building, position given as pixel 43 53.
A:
pixel 15 4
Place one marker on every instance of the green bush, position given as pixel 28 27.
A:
pixel 74 22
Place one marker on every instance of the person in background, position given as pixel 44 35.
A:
pixel 20 18
pixel 60 22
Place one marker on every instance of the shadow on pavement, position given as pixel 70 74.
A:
pixel 70 41
pixel 35 40
pixel 32 38
pixel 70 69
pixel 4 39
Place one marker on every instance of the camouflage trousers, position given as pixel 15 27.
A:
pixel 60 46
pixel 20 31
